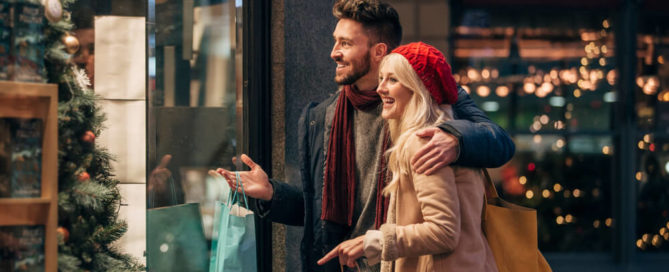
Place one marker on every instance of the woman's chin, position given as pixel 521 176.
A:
pixel 389 115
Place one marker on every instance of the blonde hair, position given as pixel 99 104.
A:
pixel 422 111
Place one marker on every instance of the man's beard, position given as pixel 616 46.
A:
pixel 359 70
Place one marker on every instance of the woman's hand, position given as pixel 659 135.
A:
pixel 347 251
pixel 255 182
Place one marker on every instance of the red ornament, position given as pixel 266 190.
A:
pixel 83 176
pixel 64 233
pixel 88 137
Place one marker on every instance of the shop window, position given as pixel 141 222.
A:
pixel 548 77
pixel 651 93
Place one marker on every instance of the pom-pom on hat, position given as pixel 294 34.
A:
pixel 431 67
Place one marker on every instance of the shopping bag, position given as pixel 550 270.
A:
pixel 175 237
pixel 234 240
pixel 511 231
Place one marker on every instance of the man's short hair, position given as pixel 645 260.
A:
pixel 379 19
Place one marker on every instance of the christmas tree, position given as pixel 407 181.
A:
pixel 88 198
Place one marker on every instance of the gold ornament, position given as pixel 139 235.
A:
pixel 71 44
pixel 53 10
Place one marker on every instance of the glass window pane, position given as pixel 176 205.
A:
pixel 195 100
pixel 548 78
pixel 652 143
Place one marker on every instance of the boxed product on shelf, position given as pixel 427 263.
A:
pixel 20 157
pixel 28 42
pixel 22 248
pixel 5 41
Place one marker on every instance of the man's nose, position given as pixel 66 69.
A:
pixel 335 54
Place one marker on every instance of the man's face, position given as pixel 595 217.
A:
pixel 350 52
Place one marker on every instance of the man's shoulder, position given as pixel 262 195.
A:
pixel 321 107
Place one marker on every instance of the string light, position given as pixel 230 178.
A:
pixel 557 187
pixel 596 224
pixel 663 96
pixel 536 139
pixel 559 143
pixel 466 88
pixel 483 91
pixel 502 91
pixel 559 220
pixel 569 218
pixel 608 222
pixel 638 176
pixel 544 119
pixel 546 193
pixel 522 180
pixel 577 193
pixel 606 150
pixel 529 194
pixel 485 73
pixel 656 242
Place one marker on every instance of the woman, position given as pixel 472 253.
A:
pixel 434 222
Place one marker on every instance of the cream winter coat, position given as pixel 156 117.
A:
pixel 434 223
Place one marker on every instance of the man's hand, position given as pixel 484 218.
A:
pixel 160 174
pixel 255 182
pixel 347 251
pixel 440 151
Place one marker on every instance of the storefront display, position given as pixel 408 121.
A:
pixel 28 176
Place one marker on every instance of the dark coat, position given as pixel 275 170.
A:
pixel 482 144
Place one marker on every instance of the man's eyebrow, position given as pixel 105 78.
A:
pixel 342 38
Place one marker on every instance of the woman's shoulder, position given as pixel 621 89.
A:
pixel 414 143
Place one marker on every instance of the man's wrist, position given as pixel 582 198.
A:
pixel 270 192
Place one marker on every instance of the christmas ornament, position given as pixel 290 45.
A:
pixel 88 137
pixel 64 233
pixel 71 44
pixel 53 10
pixel 83 176
pixel 81 78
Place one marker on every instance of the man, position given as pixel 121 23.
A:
pixel 342 141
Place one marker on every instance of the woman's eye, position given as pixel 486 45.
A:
pixel 392 79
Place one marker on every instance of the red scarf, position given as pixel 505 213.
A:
pixel 339 184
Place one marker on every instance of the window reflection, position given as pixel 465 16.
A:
pixel 195 101
pixel 652 142
pixel 549 79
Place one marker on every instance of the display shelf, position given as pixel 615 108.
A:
pixel 35 100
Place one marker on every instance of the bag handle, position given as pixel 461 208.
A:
pixel 490 192
pixel 234 199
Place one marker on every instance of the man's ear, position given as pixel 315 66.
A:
pixel 379 51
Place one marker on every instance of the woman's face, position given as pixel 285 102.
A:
pixel 395 96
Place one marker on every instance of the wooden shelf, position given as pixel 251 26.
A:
pixel 36 100
pixel 20 201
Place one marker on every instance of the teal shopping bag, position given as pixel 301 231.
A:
pixel 175 238
pixel 234 241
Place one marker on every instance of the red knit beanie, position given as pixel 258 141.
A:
pixel 431 67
